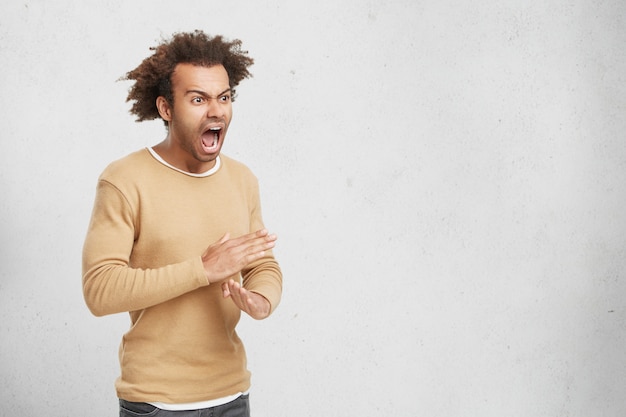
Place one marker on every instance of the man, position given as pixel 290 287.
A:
pixel 177 240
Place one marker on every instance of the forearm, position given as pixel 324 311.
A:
pixel 111 283
pixel 110 288
pixel 265 277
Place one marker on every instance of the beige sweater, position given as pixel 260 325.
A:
pixel 142 254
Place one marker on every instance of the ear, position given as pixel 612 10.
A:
pixel 165 111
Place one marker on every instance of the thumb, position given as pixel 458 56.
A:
pixel 225 290
pixel 224 238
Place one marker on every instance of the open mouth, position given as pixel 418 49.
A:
pixel 211 139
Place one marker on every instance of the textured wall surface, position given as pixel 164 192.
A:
pixel 447 180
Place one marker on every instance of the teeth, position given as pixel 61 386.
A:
pixel 216 133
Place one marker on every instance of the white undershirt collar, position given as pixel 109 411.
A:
pixel 208 173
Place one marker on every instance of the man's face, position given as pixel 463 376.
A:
pixel 200 116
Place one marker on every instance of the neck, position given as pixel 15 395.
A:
pixel 181 159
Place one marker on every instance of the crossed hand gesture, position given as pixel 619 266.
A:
pixel 227 257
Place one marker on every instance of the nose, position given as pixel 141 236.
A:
pixel 215 108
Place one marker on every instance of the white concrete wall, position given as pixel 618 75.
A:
pixel 447 179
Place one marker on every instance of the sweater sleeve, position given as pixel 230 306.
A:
pixel 263 276
pixel 110 284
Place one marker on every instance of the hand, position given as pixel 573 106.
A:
pixel 227 257
pixel 250 302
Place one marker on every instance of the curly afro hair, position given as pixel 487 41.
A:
pixel 153 76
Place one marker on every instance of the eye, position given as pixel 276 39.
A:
pixel 225 98
pixel 197 100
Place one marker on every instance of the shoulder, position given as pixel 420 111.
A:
pixel 127 166
pixel 236 168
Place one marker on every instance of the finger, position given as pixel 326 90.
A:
pixel 250 251
pixel 229 256
pixel 249 299
pixel 259 234
pixel 254 238
pixel 257 305
pixel 233 289
pixel 249 305
pixel 263 244
pixel 246 295
pixel 238 296
pixel 224 238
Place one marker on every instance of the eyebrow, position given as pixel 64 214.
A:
pixel 203 93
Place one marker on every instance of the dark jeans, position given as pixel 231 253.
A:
pixel 237 408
